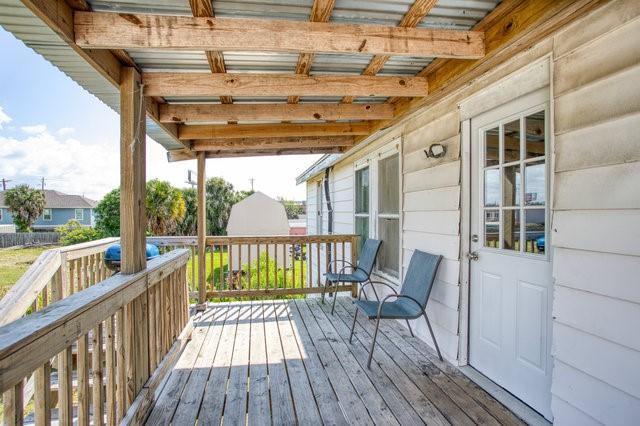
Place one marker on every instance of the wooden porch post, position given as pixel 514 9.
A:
pixel 132 173
pixel 132 228
pixel 202 231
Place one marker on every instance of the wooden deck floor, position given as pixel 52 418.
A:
pixel 290 362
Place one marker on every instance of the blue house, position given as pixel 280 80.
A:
pixel 59 209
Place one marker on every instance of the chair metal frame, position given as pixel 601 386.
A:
pixel 378 317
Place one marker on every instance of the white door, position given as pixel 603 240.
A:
pixel 511 285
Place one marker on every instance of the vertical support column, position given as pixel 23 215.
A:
pixel 202 231
pixel 132 172
pixel 132 229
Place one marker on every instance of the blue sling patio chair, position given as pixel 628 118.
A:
pixel 350 273
pixel 409 304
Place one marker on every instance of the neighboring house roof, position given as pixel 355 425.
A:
pixel 60 200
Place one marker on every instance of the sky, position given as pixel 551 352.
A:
pixel 51 127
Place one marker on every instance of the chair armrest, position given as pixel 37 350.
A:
pixel 348 264
pixel 372 284
pixel 397 296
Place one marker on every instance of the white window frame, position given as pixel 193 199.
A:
pixel 44 215
pixel 319 209
pixel 1 210
pixel 75 215
pixel 371 161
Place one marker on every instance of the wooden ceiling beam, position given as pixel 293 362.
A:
pixel 320 12
pixel 226 131
pixel 206 84
pixel 222 144
pixel 104 30
pixel 203 9
pixel 185 155
pixel 418 10
pixel 208 113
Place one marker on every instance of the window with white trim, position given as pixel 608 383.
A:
pixel 319 215
pixel 47 215
pixel 79 215
pixel 377 207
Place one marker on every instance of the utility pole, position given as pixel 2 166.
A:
pixel 4 183
pixel 251 180
pixel 43 183
pixel 190 180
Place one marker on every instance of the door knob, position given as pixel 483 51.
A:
pixel 472 255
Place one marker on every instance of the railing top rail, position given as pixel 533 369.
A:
pixel 30 341
pixel 20 297
pixel 248 239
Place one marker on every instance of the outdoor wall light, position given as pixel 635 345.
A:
pixel 435 150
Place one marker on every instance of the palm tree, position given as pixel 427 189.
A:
pixel 165 207
pixel 25 204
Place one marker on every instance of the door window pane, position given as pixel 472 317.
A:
pixel 534 231
pixel 491 228
pixel 535 185
pixel 362 229
pixel 511 229
pixel 534 141
pixel 512 141
pixel 362 190
pixel 388 258
pixel 389 184
pixel 492 188
pixel 511 186
pixel 492 147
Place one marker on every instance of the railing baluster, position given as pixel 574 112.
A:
pixel 65 387
pixel 13 405
pixel 110 370
pixel 267 272
pixel 121 372
pixel 83 380
pixel 42 395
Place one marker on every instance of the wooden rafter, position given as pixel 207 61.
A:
pixel 206 84
pixel 103 30
pixel 222 144
pixel 185 154
pixel 208 113
pixel 204 9
pixel 227 131
pixel 320 12
pixel 418 10
pixel 512 27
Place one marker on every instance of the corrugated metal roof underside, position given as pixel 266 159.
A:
pixel 455 14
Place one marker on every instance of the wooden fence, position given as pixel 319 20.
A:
pixel 28 238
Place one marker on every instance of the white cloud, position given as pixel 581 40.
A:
pixel 34 130
pixel 69 165
pixel 65 131
pixel 4 118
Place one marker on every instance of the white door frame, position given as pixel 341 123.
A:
pixel 465 189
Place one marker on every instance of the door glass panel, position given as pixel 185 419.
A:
pixel 534 231
pixel 534 141
pixel 389 256
pixel 512 141
pixel 492 188
pixel 535 185
pixel 491 228
pixel 511 186
pixel 492 147
pixel 511 229
pixel 362 230
pixel 389 184
pixel 362 190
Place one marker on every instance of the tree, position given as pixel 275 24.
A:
pixel 107 213
pixel 188 224
pixel 25 204
pixel 293 208
pixel 165 207
pixel 220 198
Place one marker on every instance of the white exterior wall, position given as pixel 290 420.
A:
pixel 595 225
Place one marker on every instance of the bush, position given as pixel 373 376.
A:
pixel 74 233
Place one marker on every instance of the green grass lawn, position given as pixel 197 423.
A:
pixel 14 262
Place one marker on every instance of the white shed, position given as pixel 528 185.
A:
pixel 258 214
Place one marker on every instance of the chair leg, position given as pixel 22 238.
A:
pixel 435 342
pixel 410 330
pixel 373 343
pixel 353 326
pixel 333 306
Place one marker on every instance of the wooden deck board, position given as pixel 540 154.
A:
pixel 290 362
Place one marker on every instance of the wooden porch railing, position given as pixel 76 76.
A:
pixel 131 326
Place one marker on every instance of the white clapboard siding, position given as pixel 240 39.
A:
pixel 446 198
pixel 446 245
pixel 596 218
pixel 599 188
pixel 592 271
pixel 436 222
pixel 442 176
